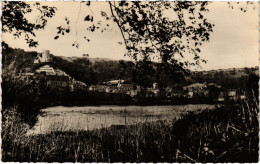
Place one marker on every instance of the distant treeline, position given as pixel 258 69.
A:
pixel 139 73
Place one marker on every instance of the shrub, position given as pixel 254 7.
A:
pixel 13 134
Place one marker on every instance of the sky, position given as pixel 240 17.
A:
pixel 233 43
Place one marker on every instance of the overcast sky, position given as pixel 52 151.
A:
pixel 234 42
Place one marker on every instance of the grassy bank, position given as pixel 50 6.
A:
pixel 226 134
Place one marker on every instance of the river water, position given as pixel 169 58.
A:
pixel 62 118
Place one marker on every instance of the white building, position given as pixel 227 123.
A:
pixel 50 71
pixel 47 69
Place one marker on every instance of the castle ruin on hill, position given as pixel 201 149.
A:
pixel 43 57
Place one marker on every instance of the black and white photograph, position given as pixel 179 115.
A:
pixel 130 81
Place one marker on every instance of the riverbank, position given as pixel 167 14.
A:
pixel 130 102
pixel 226 134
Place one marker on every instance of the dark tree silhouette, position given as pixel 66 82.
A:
pixel 162 31
pixel 14 20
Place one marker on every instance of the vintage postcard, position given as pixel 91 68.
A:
pixel 129 81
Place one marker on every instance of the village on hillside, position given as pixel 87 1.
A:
pixel 60 80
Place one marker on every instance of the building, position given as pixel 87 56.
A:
pixel 174 92
pixel 101 88
pixel 77 85
pixel 177 94
pixel 116 86
pixel 92 88
pixel 98 88
pixel 115 82
pixel 190 94
pixel 26 74
pixel 111 89
pixel 43 57
pixel 214 85
pixel 59 79
pixel 232 94
pixel 63 82
pixel 196 89
pixel 125 87
pixel 155 85
pixel 60 82
pixel 221 97
pixel 132 93
pixel 48 70
pixel 242 97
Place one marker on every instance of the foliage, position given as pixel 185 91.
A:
pixel 144 74
pixel 225 134
pixel 162 30
pixel 152 31
pixel 13 129
pixel 149 32
pixel 26 93
pixel 243 78
pixel 22 59
pixel 14 19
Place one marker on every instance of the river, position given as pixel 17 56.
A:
pixel 62 118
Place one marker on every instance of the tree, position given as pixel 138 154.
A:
pixel 162 31
pixel 14 19
pixel 150 33
pixel 21 93
pixel 146 27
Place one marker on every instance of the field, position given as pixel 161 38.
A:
pixel 224 134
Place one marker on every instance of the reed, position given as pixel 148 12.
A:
pixel 225 134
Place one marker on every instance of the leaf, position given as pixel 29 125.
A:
pixel 197 49
pixel 103 14
pixel 89 18
pixel 56 37
pixel 88 3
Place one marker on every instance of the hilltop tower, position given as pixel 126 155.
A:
pixel 43 57
pixel 46 57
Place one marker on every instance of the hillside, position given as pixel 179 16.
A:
pixel 92 60
pixel 98 70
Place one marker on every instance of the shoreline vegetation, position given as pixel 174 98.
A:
pixel 228 133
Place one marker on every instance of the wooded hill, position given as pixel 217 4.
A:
pixel 98 70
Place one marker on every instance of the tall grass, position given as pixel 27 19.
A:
pixel 226 134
